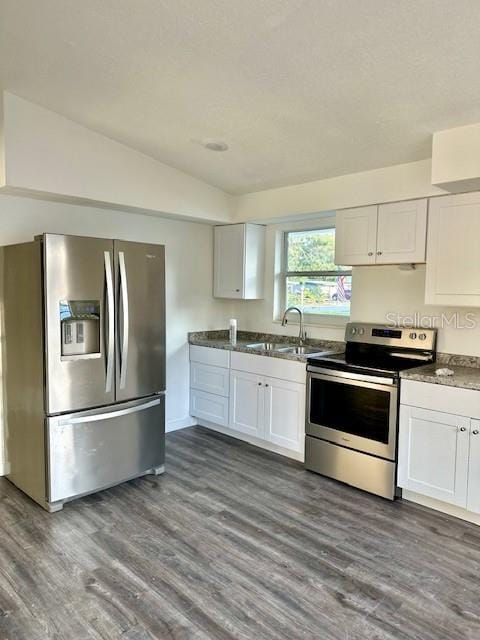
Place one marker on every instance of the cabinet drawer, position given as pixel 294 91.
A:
pixel 208 355
pixel 205 377
pixel 462 402
pixel 271 367
pixel 209 407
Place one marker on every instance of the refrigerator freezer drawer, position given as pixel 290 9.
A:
pixel 92 450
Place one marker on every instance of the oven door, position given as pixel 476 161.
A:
pixel 358 412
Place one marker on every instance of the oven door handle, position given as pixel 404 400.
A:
pixel 373 382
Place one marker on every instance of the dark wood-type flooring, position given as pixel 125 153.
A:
pixel 235 542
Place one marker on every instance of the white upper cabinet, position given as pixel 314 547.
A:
pixel 239 261
pixel 402 232
pixel 453 251
pixel 356 236
pixel 392 233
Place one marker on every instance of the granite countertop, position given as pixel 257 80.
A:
pixel 220 340
pixel 465 377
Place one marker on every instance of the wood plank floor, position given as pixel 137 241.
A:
pixel 235 542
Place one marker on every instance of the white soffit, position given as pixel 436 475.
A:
pixel 456 159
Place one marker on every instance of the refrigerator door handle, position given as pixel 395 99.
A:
pixel 110 320
pixel 62 422
pixel 125 323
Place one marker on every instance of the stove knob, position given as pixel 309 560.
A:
pixel 353 331
pixel 413 335
pixel 422 336
pixel 361 331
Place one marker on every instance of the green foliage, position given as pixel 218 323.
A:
pixel 312 250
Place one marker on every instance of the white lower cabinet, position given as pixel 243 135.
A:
pixel 284 413
pixel 473 493
pixel 206 377
pixel 433 454
pixel 247 403
pixel 258 397
pixel 439 451
pixel 209 407
pixel 268 408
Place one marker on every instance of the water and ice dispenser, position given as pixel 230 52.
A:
pixel 80 327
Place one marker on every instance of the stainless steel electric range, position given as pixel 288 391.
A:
pixel 352 404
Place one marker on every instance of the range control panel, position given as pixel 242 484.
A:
pixel 402 337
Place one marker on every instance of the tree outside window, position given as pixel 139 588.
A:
pixel 313 282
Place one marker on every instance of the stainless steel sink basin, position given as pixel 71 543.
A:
pixel 284 347
pixel 268 346
pixel 303 351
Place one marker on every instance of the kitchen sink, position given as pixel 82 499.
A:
pixel 284 347
pixel 269 346
pixel 303 351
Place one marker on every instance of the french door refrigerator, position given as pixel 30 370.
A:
pixel 85 355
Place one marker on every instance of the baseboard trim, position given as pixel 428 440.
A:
pixel 257 442
pixel 182 423
pixel 4 468
pixel 437 505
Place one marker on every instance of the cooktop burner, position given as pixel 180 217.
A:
pixel 381 350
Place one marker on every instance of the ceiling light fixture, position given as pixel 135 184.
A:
pixel 215 145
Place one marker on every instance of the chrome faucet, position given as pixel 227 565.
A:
pixel 302 335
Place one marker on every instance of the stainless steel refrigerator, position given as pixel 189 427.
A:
pixel 84 364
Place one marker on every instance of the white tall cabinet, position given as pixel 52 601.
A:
pixel 391 233
pixel 453 264
pixel 239 261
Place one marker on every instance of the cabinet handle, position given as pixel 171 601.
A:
pixel 266 385
pixel 475 432
pixel 370 253
pixel 259 384
pixel 463 428
pixel 379 253
pixel 237 290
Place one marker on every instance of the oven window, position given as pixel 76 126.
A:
pixel 360 411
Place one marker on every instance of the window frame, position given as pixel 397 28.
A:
pixel 311 318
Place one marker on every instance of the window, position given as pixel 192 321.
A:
pixel 312 280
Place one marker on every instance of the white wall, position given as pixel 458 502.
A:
pixel 388 184
pixel 46 153
pixel 376 292
pixel 190 305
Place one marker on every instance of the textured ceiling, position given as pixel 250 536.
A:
pixel 299 89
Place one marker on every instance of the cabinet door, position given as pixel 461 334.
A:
pixel 473 498
pixel 356 236
pixel 453 251
pixel 229 259
pixel 285 413
pixel 247 403
pixel 433 454
pixel 402 232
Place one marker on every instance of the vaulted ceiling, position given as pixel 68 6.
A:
pixel 299 89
